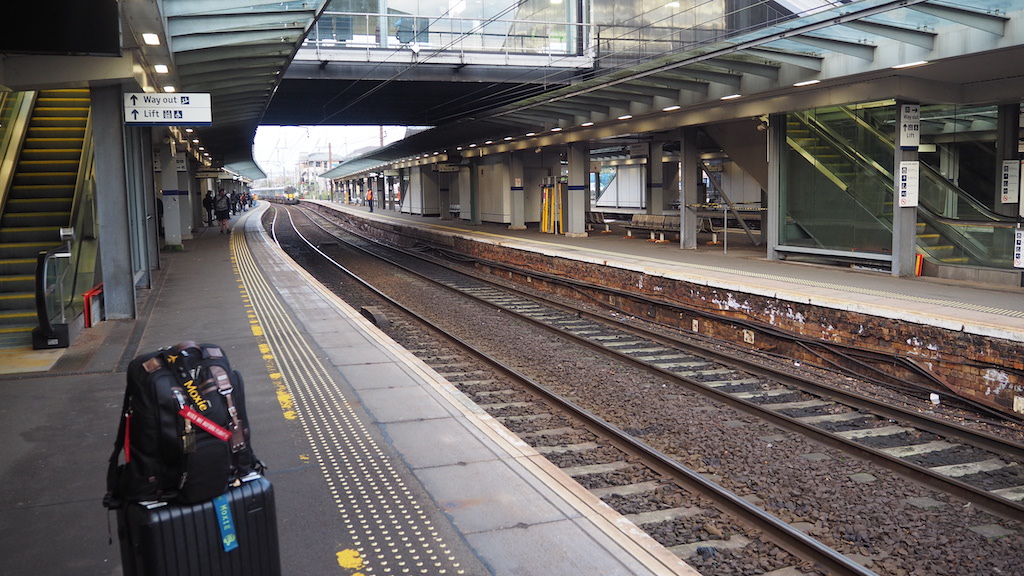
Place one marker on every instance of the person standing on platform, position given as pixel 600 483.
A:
pixel 208 206
pixel 222 208
pixel 369 199
pixel 234 202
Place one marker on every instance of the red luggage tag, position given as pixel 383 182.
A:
pixel 205 423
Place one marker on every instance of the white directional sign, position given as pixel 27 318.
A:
pixel 167 109
pixel 909 183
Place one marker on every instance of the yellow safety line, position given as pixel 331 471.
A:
pixel 308 394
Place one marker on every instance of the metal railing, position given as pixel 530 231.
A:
pixel 52 271
pixel 509 37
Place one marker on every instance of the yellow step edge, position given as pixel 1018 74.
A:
pixel 16 295
pixel 20 278
pixel 41 174
pixel 34 199
pixel 29 228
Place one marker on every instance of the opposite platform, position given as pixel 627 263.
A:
pixel 962 339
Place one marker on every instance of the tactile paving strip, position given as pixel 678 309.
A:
pixel 387 529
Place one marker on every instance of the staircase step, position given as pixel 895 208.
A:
pixel 17 300
pixel 39 204
pixel 69 133
pixel 16 265
pixel 17 220
pixel 41 191
pixel 19 317
pixel 52 154
pixel 29 234
pixel 17 283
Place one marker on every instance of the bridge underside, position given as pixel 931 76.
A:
pixel 347 94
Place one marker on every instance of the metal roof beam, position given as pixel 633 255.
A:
pixel 233 54
pixel 591 98
pixel 280 21
pixel 577 109
pixel 862 51
pixel 674 83
pixel 255 40
pixel 806 61
pixel 621 91
pixel 546 115
pixel 173 8
pixel 987 22
pixel 913 36
pixel 763 70
pixel 241 66
pixel 690 72
pixel 651 89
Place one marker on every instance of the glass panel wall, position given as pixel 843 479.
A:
pixel 532 26
pixel 837 183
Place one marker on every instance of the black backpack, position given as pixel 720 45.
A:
pixel 184 433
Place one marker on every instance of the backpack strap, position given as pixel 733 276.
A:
pixel 122 441
pixel 225 387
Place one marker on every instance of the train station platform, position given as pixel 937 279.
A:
pixel 379 466
pixel 968 337
pixel 731 260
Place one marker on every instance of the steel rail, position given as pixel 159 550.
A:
pixel 787 537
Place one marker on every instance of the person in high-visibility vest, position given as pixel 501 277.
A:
pixel 369 199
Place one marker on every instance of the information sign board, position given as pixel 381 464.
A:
pixel 1018 248
pixel 908 183
pixel 910 126
pixel 167 109
pixel 1010 181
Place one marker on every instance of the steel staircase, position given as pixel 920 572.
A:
pixel 38 204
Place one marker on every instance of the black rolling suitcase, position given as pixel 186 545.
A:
pixel 234 534
pixel 188 490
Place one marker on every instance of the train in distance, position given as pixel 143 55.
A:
pixel 278 194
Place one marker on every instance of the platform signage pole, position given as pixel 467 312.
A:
pixel 906 190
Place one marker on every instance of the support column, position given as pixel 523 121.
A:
pixel 655 177
pixel 517 196
pixel 690 177
pixel 1007 134
pixel 771 225
pixel 474 192
pixel 904 219
pixel 112 210
pixel 578 155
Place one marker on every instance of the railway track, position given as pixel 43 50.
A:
pixel 643 484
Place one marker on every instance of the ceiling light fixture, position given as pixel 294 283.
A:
pixel 806 83
pixel 625 117
pixel 169 89
pixel 910 64
pixel 586 124
pixel 151 39
pixel 671 108
pixel 731 97
pixel 161 69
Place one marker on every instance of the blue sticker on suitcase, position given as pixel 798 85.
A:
pixel 227 524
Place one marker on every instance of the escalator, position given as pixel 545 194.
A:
pixel 849 157
pixel 38 204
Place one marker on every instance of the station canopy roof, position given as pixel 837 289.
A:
pixel 866 41
pixel 238 51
